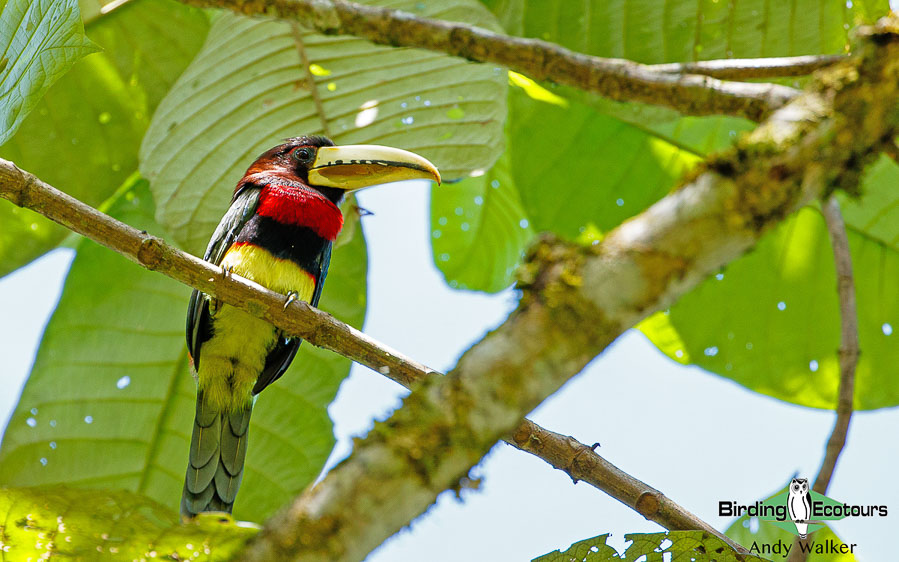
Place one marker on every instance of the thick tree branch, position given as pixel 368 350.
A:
pixel 321 329
pixel 616 79
pixel 745 69
pixel 576 300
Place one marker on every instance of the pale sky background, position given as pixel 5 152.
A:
pixel 695 436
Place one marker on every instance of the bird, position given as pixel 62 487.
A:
pixel 278 231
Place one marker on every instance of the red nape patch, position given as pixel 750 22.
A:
pixel 302 207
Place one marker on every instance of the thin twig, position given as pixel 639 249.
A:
pixel 321 329
pixel 849 349
pixel 745 69
pixel 616 79
pixel 848 353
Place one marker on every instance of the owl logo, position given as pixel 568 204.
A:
pixel 800 505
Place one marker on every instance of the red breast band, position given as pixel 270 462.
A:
pixel 301 207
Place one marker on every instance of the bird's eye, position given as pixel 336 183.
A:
pixel 304 154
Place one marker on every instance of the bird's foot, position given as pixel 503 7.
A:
pixel 214 304
pixel 291 297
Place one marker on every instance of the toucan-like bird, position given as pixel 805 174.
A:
pixel 278 232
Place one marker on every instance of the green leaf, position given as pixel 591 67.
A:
pixel 648 31
pixel 587 170
pixel 110 399
pixel 751 322
pixel 613 165
pixel 593 549
pixel 40 40
pixel 60 522
pixel 83 136
pixel 248 89
pixel 479 230
pixel 684 545
pixel 581 177
pixel 671 545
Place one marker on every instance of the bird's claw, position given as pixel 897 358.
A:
pixel 214 304
pixel 291 296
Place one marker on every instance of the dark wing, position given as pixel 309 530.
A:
pixel 199 327
pixel 280 357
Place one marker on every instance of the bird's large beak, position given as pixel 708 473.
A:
pixel 360 165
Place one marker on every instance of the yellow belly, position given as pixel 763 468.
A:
pixel 257 264
pixel 234 356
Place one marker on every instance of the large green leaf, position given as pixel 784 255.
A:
pixel 40 40
pixel 83 136
pixel 588 169
pixel 751 322
pixel 249 88
pixel 649 31
pixel 110 399
pixel 60 522
pixel 581 176
pixel 600 161
pixel 479 229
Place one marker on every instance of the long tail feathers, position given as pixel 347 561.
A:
pixel 218 448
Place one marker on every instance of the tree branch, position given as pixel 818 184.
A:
pixel 576 300
pixel 581 462
pixel 319 328
pixel 616 79
pixel 745 69
pixel 849 352
pixel 299 318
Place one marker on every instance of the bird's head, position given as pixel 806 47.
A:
pixel 316 162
